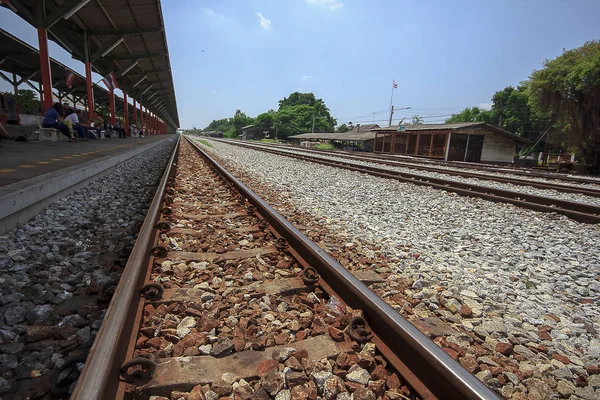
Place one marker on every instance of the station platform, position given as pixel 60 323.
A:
pixel 34 174
pixel 25 160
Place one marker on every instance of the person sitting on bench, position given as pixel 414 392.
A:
pixel 53 119
pixel 73 118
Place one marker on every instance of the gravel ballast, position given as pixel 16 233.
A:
pixel 519 288
pixel 549 193
pixel 53 268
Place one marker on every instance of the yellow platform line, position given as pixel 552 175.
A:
pixel 26 166
pixel 43 162
pixel 7 170
pixel 55 159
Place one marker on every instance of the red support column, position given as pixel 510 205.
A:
pixel 134 112
pixel 45 69
pixel 90 90
pixel 126 114
pixel 111 100
pixel 142 119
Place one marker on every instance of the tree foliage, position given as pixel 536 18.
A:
pixel 417 120
pixel 511 110
pixel 568 89
pixel 27 101
pixel 342 128
pixel 295 115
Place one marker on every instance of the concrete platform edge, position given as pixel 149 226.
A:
pixel 21 201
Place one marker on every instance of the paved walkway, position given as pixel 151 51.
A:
pixel 24 160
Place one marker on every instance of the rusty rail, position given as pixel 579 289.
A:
pixel 99 378
pixel 580 212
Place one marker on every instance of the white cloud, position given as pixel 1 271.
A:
pixel 331 5
pixel 485 106
pixel 264 23
pixel 214 92
pixel 210 13
pixel 308 78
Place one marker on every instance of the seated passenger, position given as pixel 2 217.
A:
pixel 53 119
pixel 73 118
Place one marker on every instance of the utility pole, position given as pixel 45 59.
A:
pixel 391 114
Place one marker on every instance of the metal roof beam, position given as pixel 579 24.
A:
pixel 152 71
pixel 21 9
pixel 115 41
pixel 137 56
pixel 122 31
pixel 125 70
pixel 66 11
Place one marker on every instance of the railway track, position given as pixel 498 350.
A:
pixel 223 296
pixel 419 163
pixel 578 211
pixel 564 188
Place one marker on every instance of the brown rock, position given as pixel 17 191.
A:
pixel 377 387
pixel 451 352
pixel 300 355
pixel 266 367
pixel 593 369
pixel 300 393
pixel 561 358
pixel 379 373
pixel 544 335
pixel 353 386
pixel 196 393
pixel 506 349
pixel 282 338
pixel 272 382
pixel 239 343
pixel 336 334
pixel 581 381
pixel 221 387
pixel 301 335
pixel 36 333
pixel 466 311
pixel 393 382
pixel 296 378
pixel 470 363
pixel 364 394
pixel 294 364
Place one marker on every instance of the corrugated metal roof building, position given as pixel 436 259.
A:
pixel 468 141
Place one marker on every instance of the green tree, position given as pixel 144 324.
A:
pixel 568 89
pixel 27 101
pixel 342 128
pixel 417 120
pixel 469 114
pixel 265 122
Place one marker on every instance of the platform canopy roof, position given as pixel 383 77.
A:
pixel 22 59
pixel 125 37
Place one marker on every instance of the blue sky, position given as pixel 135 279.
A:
pixel 444 55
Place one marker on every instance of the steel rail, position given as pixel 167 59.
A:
pixel 580 212
pixel 99 377
pixel 442 375
pixel 514 181
pixel 482 167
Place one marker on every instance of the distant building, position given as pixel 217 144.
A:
pixel 468 141
pixel 249 132
pixel 359 137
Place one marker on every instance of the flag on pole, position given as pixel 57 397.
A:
pixel 395 84
pixel 70 77
pixel 110 81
